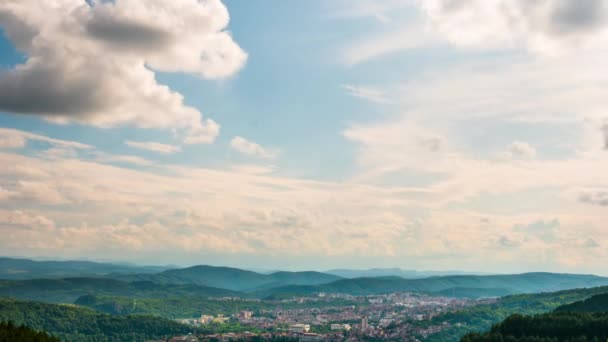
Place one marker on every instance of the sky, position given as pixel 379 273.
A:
pixel 422 134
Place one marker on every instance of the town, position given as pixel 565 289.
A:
pixel 395 316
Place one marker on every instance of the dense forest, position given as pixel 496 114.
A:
pixel 10 332
pixel 72 323
pixel 483 317
pixel 584 320
pixel 67 290
pixel 551 327
pixel 598 303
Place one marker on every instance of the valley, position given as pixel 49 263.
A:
pixel 209 302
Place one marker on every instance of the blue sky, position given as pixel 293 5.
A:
pixel 426 134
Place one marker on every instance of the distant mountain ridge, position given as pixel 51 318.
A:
pixel 14 268
pixel 67 290
pixel 232 278
pixel 214 281
pixel 502 284
pixel 398 272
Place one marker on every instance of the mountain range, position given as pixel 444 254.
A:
pixel 68 280
pixel 387 272
pixel 67 290
pixel 12 268
pixel 232 278
pixel 474 285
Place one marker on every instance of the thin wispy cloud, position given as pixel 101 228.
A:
pixel 366 93
pixel 249 148
pixel 153 146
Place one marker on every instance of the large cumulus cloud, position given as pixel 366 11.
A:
pixel 93 62
pixel 545 26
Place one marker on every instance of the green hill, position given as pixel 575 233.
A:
pixel 73 323
pixel 551 327
pixel 583 320
pixel 10 332
pixel 474 292
pixel 515 283
pixel 69 289
pixel 395 272
pixel 232 278
pixel 11 268
pixel 597 303
pixel 483 317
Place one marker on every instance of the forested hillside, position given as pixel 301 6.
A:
pixel 597 303
pixel 551 327
pixel 72 323
pixel 69 289
pixel 10 332
pixel 583 320
pixel 482 317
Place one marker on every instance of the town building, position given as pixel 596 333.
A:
pixel 310 337
pixel 245 315
pixel 364 323
pixel 206 319
pixel 300 328
pixel 340 327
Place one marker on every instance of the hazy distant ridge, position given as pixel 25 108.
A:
pixel 11 268
pixel 503 284
pixel 234 278
pixel 215 281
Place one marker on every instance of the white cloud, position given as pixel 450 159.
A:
pixel 520 149
pixel 89 205
pixel 5 194
pixel 383 44
pixel 604 130
pixel 250 148
pixel 153 146
pixel 135 160
pixel 12 141
pixel 380 10
pixel 253 169
pixel 25 219
pixel 596 197
pixel 94 63
pixel 548 27
pixel 15 138
pixel 398 144
pixel 366 93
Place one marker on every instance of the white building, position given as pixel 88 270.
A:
pixel 300 328
pixel 245 315
pixel 206 319
pixel 341 327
